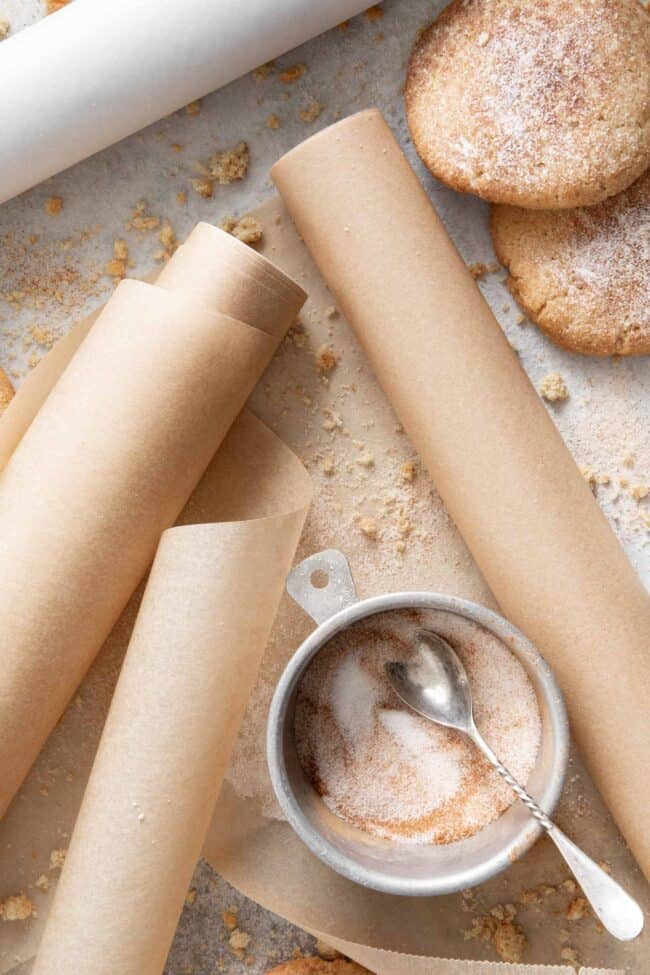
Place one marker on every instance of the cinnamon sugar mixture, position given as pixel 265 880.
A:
pixel 391 772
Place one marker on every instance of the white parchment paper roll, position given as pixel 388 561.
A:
pixel 96 72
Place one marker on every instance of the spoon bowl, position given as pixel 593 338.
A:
pixel 434 683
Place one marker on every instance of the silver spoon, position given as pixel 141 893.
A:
pixel 433 682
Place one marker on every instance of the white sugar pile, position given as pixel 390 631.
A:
pixel 391 772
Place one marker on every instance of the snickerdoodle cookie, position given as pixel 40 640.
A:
pixel 536 103
pixel 318 966
pixel 583 275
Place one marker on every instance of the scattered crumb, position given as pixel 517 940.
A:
pixel 203 187
pixel 325 358
pixel 478 269
pixel 408 471
pixel 43 882
pixel 499 928
pixel 5 27
pixel 553 388
pixel 482 38
pixel 640 491
pixel 289 75
pixel 311 112
pixel 273 122
pixel 248 229
pixel 577 909
pixel 190 896
pixel 365 459
pixel 176 147
pixel 331 312
pixel 194 107
pixel 373 13
pixel 116 267
pixel 42 335
pixel 570 955
pixel 167 238
pixel 230 918
pixel 54 5
pixel 239 942
pixel 368 527
pixel 57 859
pixel 181 197
pixel 223 168
pixel 327 465
pixel 17 907
pixel 509 941
pixel 264 70
pixel 141 220
pixel 54 205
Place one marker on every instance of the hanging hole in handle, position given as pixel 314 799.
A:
pixel 319 579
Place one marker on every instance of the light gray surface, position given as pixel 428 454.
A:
pixel 604 420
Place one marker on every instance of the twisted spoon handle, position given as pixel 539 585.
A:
pixel 617 911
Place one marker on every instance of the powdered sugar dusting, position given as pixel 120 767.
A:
pixel 537 103
pixel 384 768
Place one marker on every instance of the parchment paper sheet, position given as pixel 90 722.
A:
pixel 259 854
pixel 95 73
pixel 108 463
pixel 503 471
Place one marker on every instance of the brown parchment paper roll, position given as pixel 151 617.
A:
pixel 202 627
pixel 108 462
pixel 504 473
pixel 250 847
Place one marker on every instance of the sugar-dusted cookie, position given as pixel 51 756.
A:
pixel 583 275
pixel 318 966
pixel 535 103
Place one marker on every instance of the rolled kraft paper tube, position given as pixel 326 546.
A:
pixel 97 72
pixel 108 463
pixel 182 692
pixel 502 469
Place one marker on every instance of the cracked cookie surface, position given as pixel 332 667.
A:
pixel 534 103
pixel 582 275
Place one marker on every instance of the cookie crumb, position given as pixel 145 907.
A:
pixel 311 112
pixel 331 312
pixel 54 205
pixel 478 269
pixel 408 471
pixel 204 187
pixel 141 220
pixel 509 942
pixel 325 358
pixel 248 229
pixel 116 267
pixel 368 527
pixel 230 165
pixel 57 859
pixel 43 882
pixel 577 909
pixel 194 108
pixel 261 73
pixel 553 388
pixel 273 122
pixel 5 27
pixel 327 465
pixel 239 942
pixel 229 918
pixel 289 75
pixel 640 491
pixel 17 907
pixel 373 13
